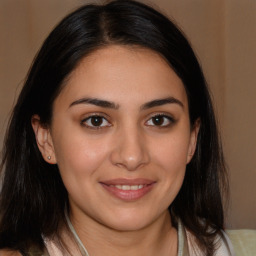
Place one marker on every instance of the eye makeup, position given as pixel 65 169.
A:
pixel 95 121
pixel 98 121
pixel 160 120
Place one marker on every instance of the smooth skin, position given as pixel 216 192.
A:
pixel 137 128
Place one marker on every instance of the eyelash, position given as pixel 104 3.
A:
pixel 170 120
pixel 166 118
pixel 95 127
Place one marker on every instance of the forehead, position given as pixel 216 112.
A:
pixel 117 73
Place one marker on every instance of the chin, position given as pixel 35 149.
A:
pixel 128 226
pixel 130 222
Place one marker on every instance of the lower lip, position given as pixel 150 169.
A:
pixel 128 195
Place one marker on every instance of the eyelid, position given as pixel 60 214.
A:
pixel 170 118
pixel 91 115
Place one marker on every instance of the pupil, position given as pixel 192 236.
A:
pixel 158 120
pixel 96 121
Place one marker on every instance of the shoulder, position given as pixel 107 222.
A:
pixel 6 252
pixel 224 246
pixel 244 241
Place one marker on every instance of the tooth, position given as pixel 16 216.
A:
pixel 126 187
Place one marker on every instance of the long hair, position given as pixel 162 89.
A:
pixel 33 196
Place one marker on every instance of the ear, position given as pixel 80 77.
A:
pixel 44 140
pixel 193 140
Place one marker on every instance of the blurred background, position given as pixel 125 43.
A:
pixel 223 35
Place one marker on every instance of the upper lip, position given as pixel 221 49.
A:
pixel 123 181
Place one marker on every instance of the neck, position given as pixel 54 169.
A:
pixel 158 238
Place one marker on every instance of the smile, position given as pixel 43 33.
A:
pixel 127 189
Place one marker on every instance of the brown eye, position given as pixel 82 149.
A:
pixel 160 120
pixel 95 122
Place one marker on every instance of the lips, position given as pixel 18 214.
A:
pixel 128 189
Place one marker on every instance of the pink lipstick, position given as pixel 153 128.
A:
pixel 128 189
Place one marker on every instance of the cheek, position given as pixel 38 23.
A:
pixel 170 158
pixel 78 155
pixel 171 152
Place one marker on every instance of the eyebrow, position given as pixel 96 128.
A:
pixel 96 102
pixel 160 102
pixel 112 105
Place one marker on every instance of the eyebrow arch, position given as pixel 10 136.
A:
pixel 112 105
pixel 96 102
pixel 160 102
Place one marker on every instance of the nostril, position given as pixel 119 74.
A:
pixel 130 151
pixel 130 163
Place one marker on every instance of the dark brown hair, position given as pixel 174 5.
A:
pixel 33 196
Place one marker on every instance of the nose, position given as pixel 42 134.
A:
pixel 130 150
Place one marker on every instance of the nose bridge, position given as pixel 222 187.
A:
pixel 130 149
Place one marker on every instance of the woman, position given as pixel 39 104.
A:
pixel 112 148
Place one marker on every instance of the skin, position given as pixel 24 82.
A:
pixel 129 141
pixel 9 253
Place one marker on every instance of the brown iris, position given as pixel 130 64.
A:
pixel 158 120
pixel 96 120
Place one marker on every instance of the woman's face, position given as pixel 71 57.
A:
pixel 121 137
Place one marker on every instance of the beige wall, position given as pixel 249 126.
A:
pixel 223 34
